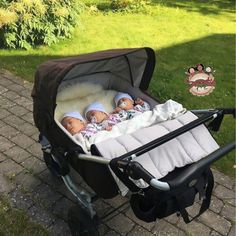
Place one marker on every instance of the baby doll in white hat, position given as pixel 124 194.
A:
pixel 75 124
pixel 96 113
pixel 125 102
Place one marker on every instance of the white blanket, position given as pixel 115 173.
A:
pixel 162 112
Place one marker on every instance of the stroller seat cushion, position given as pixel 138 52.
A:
pixel 184 149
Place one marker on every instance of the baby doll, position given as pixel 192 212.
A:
pixel 75 124
pixel 125 102
pixel 95 113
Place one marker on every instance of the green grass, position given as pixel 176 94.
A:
pixel 182 33
pixel 15 223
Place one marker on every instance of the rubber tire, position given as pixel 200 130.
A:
pixel 80 222
pixel 51 164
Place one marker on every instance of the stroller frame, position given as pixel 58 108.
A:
pixel 134 67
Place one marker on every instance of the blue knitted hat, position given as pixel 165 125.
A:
pixel 121 95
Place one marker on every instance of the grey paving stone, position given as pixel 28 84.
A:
pixel 116 201
pixel 59 227
pixel 164 228
pixel 15 87
pixel 229 212
pixel 225 194
pixel 9 168
pixel 216 222
pixel 27 129
pixel 20 200
pixel 41 216
pixel 216 204
pixel 112 233
pixel 3 89
pixel 18 110
pixel 17 154
pixel 26 181
pixel 5 82
pixel 14 121
pixel 45 195
pixel 35 137
pixel 103 229
pixel 5 103
pixel 2 124
pixel 25 102
pixel 5 144
pixel 2 157
pixel 11 95
pixel 232 230
pixel 6 185
pixel 8 132
pixel 28 85
pixel 61 207
pixel 173 219
pixel 25 93
pixel 214 233
pixel 137 231
pixel 23 141
pixel 36 150
pixel 49 179
pixel 28 117
pixel 222 179
pixel 120 224
pixel 34 165
pixel 147 226
pixel 4 113
pixel 29 107
pixel 101 207
pixel 194 228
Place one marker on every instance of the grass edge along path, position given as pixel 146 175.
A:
pixel 15 222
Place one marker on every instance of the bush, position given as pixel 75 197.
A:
pixel 129 5
pixel 26 23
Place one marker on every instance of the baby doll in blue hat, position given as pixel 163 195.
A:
pixel 125 102
pixel 75 124
pixel 95 113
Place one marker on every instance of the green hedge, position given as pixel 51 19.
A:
pixel 129 5
pixel 26 23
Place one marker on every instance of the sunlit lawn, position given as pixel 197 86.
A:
pixel 183 33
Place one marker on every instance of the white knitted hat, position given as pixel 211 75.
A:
pixel 74 114
pixel 95 106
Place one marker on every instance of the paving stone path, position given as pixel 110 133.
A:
pixel 27 183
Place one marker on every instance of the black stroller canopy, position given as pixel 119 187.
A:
pixel 135 65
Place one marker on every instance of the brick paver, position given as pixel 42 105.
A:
pixel 28 185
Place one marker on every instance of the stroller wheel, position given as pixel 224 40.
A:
pixel 51 164
pixel 80 222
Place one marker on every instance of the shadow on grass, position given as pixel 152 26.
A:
pixel 168 81
pixel 201 6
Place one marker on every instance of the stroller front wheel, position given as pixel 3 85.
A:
pixel 80 222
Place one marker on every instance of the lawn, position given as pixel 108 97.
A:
pixel 182 33
pixel 15 222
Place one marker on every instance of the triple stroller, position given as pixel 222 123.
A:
pixel 125 161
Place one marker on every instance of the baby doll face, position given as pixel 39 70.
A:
pixel 126 104
pixel 73 125
pixel 96 116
